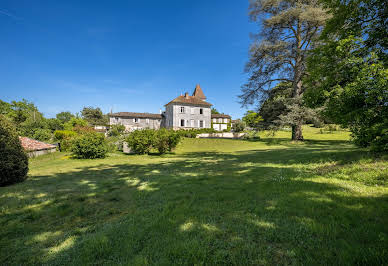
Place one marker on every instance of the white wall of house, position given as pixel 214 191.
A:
pixel 188 116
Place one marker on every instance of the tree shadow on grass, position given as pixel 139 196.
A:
pixel 251 207
pixel 307 142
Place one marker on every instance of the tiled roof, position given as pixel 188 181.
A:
pixel 199 93
pixel 34 145
pixel 189 100
pixel 221 116
pixel 137 115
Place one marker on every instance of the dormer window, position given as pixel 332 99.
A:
pixel 182 109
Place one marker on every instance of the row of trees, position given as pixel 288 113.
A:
pixel 321 59
pixel 31 123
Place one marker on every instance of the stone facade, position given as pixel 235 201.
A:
pixel 134 121
pixel 187 116
pixel 184 112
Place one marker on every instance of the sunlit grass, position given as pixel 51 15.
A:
pixel 212 201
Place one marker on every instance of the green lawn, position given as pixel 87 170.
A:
pixel 211 202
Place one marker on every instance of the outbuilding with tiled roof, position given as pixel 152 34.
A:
pixel 35 147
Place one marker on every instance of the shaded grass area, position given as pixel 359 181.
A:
pixel 211 202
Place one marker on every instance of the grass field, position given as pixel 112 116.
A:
pixel 213 201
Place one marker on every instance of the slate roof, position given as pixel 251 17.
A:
pixel 136 115
pixel 221 116
pixel 35 145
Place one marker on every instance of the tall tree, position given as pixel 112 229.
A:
pixel 348 70
pixel 64 116
pixel 252 119
pixel 366 19
pixel 274 104
pixel 215 111
pixel 5 108
pixel 279 51
pixel 23 110
pixel 93 116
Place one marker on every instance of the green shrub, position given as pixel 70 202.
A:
pixel 165 140
pixel 89 146
pixel 115 143
pixel 331 128
pixel 83 129
pixel 13 159
pixel 141 141
pixel 238 126
pixel 161 140
pixel 380 143
pixel 42 134
pixel 64 134
pixel 252 134
pixel 192 133
pixel 73 122
pixel 116 130
pixel 317 123
pixel 65 138
pixel 173 140
pixel 376 136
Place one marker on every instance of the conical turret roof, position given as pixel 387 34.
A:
pixel 198 93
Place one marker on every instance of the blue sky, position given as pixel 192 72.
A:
pixel 126 55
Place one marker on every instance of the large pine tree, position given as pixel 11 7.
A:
pixel 279 51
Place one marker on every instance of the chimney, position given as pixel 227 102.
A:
pixel 160 110
pixel 186 95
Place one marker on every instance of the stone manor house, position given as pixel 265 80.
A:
pixel 184 112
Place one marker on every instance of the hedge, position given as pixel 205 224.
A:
pixel 13 159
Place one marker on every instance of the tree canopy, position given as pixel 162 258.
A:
pixel 64 116
pixel 279 51
pixel 94 116
pixel 252 119
pixel 348 75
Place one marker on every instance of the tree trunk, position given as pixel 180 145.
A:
pixel 297 84
pixel 297 133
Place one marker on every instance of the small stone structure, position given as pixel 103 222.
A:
pixel 126 149
pixel 225 135
pixel 35 147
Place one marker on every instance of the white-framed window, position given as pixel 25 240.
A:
pixel 225 120
pixel 147 121
pixel 192 110
pixel 117 119
pixel 182 122
pixel 214 120
pixel 201 111
pixel 136 120
pixel 201 123
pixel 192 123
pixel 219 120
pixel 182 109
